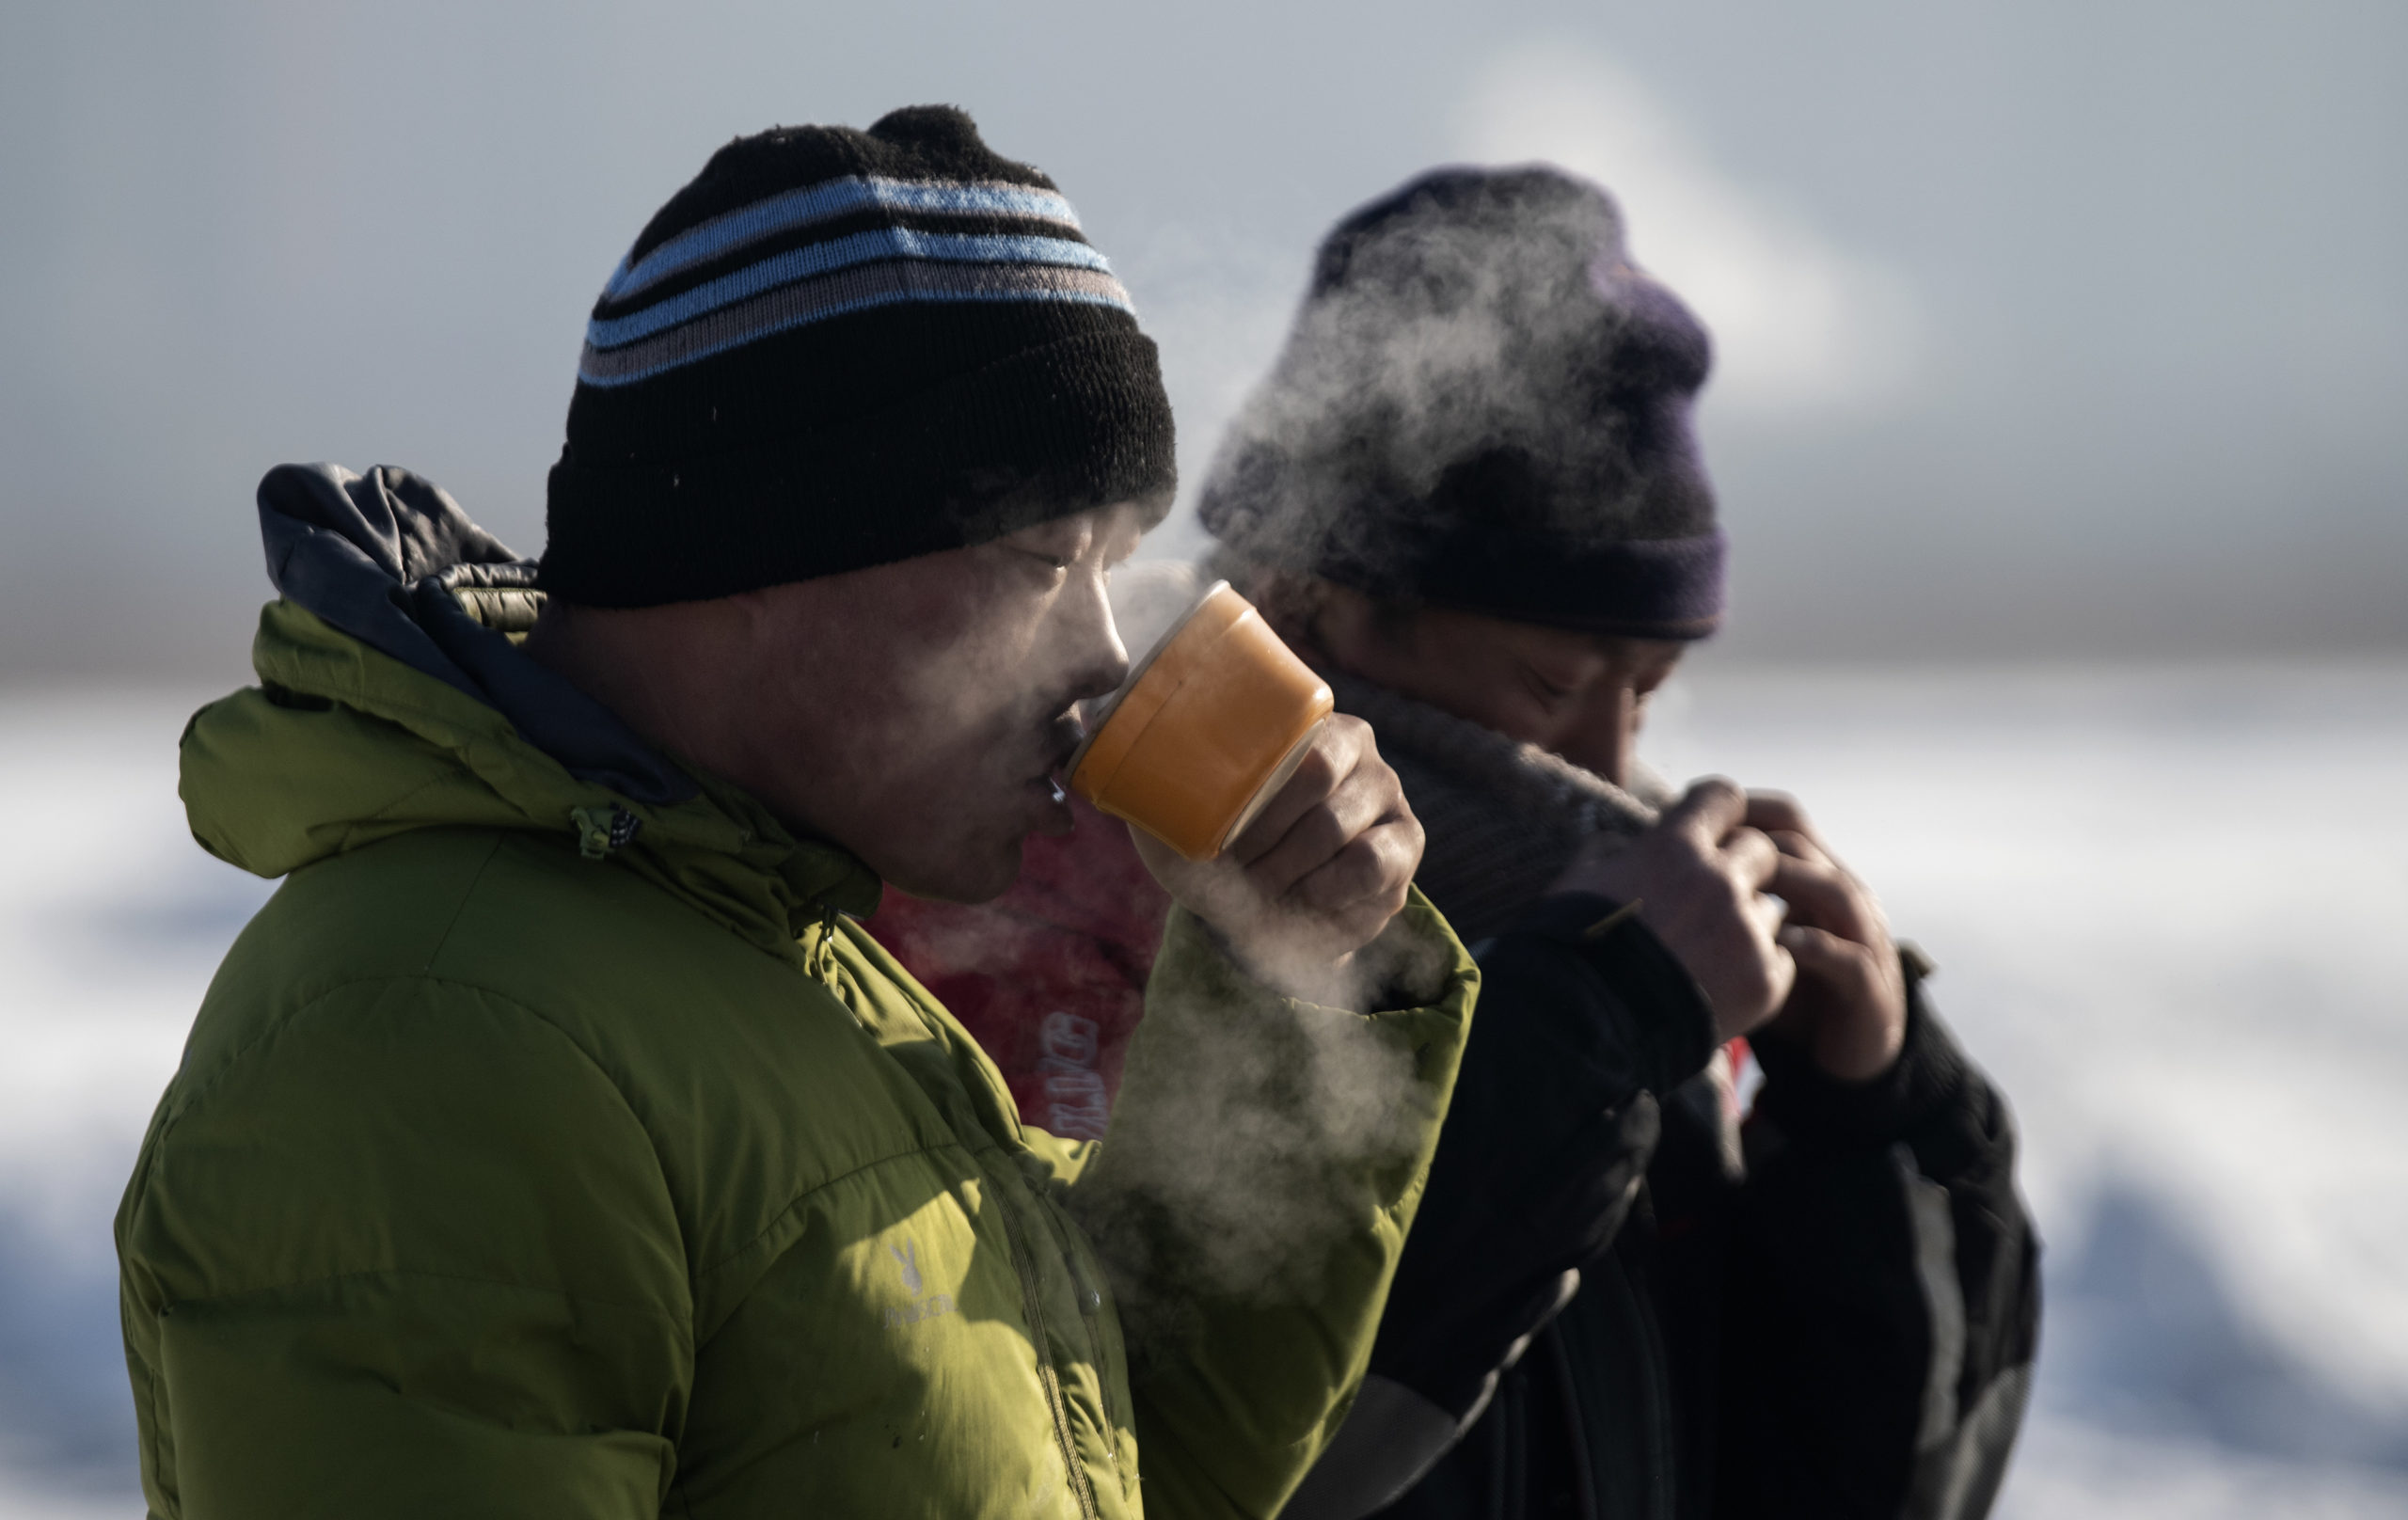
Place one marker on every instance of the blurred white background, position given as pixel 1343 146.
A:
pixel 2064 350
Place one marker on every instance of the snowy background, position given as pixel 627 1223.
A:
pixel 2062 356
pixel 2167 903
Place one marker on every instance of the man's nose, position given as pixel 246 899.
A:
pixel 1100 661
pixel 1607 735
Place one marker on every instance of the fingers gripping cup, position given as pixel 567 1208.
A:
pixel 1205 731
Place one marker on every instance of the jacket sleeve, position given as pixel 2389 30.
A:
pixel 408 1254
pixel 1881 1302
pixel 1552 1127
pixel 1252 1195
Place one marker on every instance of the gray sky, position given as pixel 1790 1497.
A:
pixel 2046 329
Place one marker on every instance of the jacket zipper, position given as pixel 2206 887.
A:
pixel 1091 1311
pixel 1091 1318
pixel 1091 1304
pixel 1025 1267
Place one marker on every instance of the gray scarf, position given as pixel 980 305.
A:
pixel 1503 817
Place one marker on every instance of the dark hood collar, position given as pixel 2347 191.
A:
pixel 389 559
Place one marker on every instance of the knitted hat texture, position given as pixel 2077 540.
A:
pixel 836 349
pixel 1484 404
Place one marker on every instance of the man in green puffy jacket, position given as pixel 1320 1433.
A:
pixel 554 1143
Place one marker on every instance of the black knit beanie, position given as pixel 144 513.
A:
pixel 836 349
pixel 1485 405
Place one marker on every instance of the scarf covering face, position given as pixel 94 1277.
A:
pixel 1503 817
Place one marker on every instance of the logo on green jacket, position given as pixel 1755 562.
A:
pixel 907 1256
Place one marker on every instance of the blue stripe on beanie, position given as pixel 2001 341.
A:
pixel 898 242
pixel 844 291
pixel 825 202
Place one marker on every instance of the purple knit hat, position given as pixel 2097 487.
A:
pixel 1485 405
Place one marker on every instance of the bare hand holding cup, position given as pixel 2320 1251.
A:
pixel 1260 811
pixel 1318 873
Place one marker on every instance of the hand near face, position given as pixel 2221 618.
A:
pixel 1316 876
pixel 1701 878
pixel 1848 1009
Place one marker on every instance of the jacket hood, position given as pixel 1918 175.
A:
pixel 394 697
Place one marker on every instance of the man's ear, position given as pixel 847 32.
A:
pixel 1293 604
pixel 1343 623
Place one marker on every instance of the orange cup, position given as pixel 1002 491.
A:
pixel 1205 731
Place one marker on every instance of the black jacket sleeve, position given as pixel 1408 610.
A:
pixel 1548 1136
pixel 1552 1126
pixel 1880 1297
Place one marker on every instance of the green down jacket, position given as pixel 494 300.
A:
pixel 518 1166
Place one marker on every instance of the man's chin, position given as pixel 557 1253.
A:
pixel 970 876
